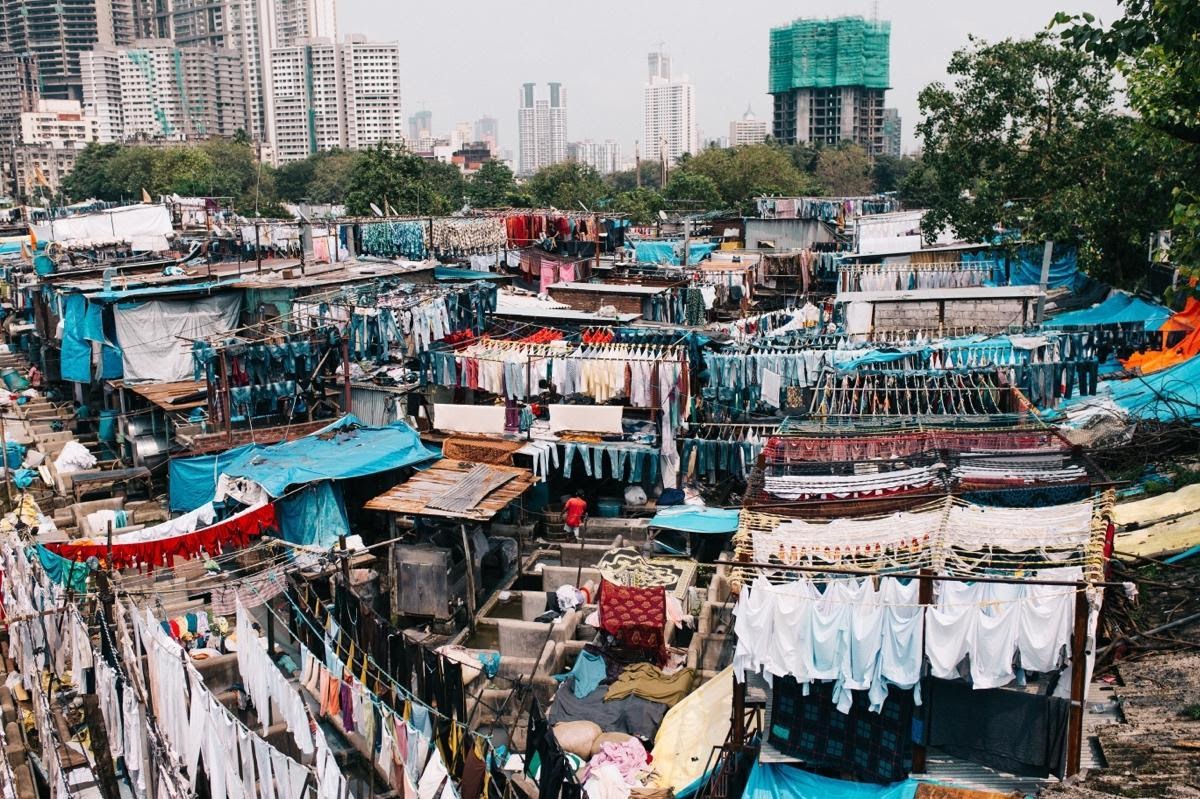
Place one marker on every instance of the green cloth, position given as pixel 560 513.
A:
pixel 67 573
pixel 649 682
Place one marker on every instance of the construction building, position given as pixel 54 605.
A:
pixel 828 78
pixel 252 28
pixel 56 32
pixel 157 90
pixel 891 132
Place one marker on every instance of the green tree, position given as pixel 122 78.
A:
pixel 692 191
pixel 626 180
pixel 566 186
pixel 408 183
pixel 890 172
pixel 493 186
pixel 90 177
pixel 1026 139
pixel 1154 45
pixel 743 173
pixel 293 179
pixel 331 176
pixel 640 205
pixel 844 171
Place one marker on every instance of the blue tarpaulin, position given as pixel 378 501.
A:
pixel 450 273
pixel 1025 267
pixel 691 519
pixel 778 781
pixel 76 353
pixel 670 253
pixel 315 516
pixel 1169 395
pixel 1118 308
pixel 340 451
pixel 193 481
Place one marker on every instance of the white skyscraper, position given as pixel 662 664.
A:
pixel 542 128
pixel 252 28
pixel 604 157
pixel 669 112
pixel 327 96
pixel 156 90
pixel 747 130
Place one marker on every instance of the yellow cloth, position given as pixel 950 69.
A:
pixel 648 682
pixel 690 730
pixel 1159 539
pixel 1152 509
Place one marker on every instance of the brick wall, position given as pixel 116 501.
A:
pixel 984 314
pixel 593 301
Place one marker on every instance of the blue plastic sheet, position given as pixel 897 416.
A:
pixel 450 273
pixel 1025 267
pixel 670 253
pixel 315 516
pixel 1118 308
pixel 193 481
pixel 690 519
pixel 1169 395
pixel 76 363
pixel 340 451
pixel 778 781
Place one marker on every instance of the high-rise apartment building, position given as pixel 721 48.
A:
pixel 604 157
pixel 828 77
pixel 668 112
pixel 252 28
pixel 157 90
pixel 462 135
pixel 56 32
pixel 371 92
pixel 542 127
pixel 487 130
pixel 891 132
pixel 328 96
pixel 420 126
pixel 747 130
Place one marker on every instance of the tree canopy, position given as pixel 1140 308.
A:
pixel 1154 46
pixel 742 173
pixel 213 168
pixel 1026 139
pixel 493 186
pixel 845 171
pixel 567 186
pixel 391 176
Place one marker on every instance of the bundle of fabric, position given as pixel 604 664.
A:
pixel 650 682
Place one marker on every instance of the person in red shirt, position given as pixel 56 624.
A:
pixel 575 513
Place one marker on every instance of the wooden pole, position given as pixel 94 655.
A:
pixel 1044 282
pixel 1079 642
pixel 471 580
pixel 7 472
pixel 925 598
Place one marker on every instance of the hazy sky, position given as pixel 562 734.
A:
pixel 467 58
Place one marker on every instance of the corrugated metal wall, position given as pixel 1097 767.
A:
pixel 371 405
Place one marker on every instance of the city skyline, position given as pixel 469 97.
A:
pixel 606 100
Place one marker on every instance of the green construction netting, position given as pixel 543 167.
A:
pixel 822 53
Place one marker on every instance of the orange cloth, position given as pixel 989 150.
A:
pixel 1157 360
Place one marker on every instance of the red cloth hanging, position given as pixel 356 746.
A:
pixel 233 532
pixel 634 616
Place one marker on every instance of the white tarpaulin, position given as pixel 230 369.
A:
pixel 468 418
pixel 586 418
pixel 145 227
pixel 156 337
